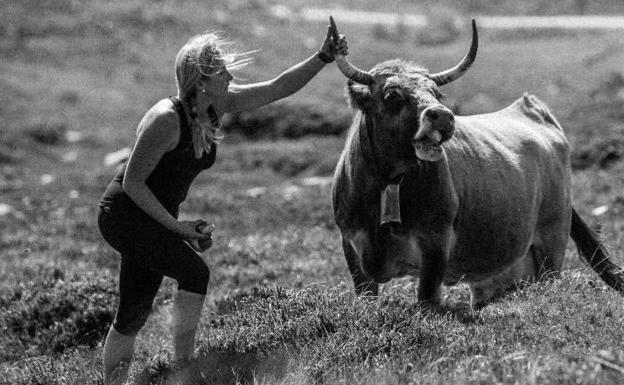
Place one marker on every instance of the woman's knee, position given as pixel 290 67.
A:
pixel 196 280
pixel 129 320
pixel 130 326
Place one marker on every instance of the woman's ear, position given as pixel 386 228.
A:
pixel 202 85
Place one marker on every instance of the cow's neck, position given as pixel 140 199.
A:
pixel 379 165
pixel 370 171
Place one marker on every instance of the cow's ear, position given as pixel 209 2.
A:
pixel 359 96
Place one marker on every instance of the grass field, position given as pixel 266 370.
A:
pixel 76 78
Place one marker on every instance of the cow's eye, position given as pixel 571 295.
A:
pixel 439 95
pixel 393 100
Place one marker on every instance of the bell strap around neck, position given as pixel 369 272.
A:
pixel 370 133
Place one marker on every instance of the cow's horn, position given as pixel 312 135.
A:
pixel 449 75
pixel 348 69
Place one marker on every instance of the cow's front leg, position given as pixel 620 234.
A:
pixel 433 267
pixel 363 284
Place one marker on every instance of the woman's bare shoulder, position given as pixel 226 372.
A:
pixel 161 121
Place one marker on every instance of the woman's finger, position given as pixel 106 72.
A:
pixel 205 230
pixel 328 34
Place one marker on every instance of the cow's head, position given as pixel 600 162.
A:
pixel 402 102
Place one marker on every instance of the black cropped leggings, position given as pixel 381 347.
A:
pixel 148 251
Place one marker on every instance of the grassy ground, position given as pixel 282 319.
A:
pixel 76 78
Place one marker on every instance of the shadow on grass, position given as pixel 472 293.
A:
pixel 218 368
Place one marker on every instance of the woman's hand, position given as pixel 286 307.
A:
pixel 244 97
pixel 189 230
pixel 197 233
pixel 341 47
pixel 331 47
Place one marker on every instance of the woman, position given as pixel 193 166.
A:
pixel 177 139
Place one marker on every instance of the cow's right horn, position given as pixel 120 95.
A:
pixel 348 69
pixel 449 75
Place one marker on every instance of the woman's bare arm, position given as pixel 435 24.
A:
pixel 249 96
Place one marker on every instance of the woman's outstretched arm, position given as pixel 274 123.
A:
pixel 250 96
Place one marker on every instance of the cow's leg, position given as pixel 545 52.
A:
pixel 543 260
pixel 432 269
pixel 362 283
pixel 523 270
pixel 552 231
pixel 549 250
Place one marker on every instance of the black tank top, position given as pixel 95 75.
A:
pixel 171 178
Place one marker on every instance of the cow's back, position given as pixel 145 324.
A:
pixel 510 171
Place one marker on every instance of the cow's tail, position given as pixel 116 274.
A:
pixel 594 252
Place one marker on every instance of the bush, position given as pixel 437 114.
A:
pixel 283 120
pixel 601 152
pixel 47 133
pixel 596 125
pixel 8 153
pixel 48 317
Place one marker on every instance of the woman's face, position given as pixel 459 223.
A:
pixel 216 87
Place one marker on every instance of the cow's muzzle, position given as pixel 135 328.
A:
pixel 437 124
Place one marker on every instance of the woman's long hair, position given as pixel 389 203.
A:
pixel 203 56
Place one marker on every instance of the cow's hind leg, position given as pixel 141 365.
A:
pixel 548 250
pixel 523 270
pixel 362 283
pixel 543 261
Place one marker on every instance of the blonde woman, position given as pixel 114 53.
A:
pixel 176 140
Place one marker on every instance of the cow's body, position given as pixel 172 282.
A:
pixel 484 199
pixel 497 207
pixel 512 170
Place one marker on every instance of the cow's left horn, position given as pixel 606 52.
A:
pixel 348 69
pixel 449 75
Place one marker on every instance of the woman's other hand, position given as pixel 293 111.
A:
pixel 189 230
pixel 197 233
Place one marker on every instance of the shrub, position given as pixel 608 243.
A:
pixel 47 133
pixel 601 152
pixel 48 317
pixel 70 97
pixel 283 120
pixel 8 153
pixel 596 125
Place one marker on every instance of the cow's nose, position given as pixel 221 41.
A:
pixel 432 114
pixel 441 120
pixel 440 115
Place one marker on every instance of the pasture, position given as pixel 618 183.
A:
pixel 76 78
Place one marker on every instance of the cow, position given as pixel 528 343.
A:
pixel 481 199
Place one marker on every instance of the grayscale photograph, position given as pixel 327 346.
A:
pixel 311 192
